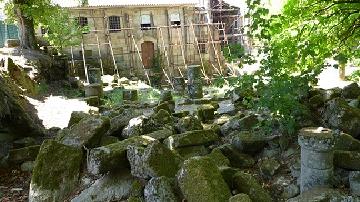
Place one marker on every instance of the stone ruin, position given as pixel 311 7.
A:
pixel 200 153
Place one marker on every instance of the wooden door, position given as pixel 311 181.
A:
pixel 147 53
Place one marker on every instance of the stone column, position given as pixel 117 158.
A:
pixel 195 82
pixel 316 157
pixel 94 75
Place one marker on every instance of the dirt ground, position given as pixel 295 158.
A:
pixel 14 185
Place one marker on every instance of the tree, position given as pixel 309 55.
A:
pixel 295 45
pixel 33 13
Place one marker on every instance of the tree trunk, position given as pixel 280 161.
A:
pixel 26 26
pixel 342 71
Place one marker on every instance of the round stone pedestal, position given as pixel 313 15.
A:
pixel 316 157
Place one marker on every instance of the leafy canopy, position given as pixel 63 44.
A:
pixel 294 46
pixel 62 30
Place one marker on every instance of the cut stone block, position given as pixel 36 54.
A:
pixel 88 132
pixel 192 138
pixel 160 189
pixel 56 172
pixel 113 156
pixel 200 180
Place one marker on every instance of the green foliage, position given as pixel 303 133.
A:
pixel 115 97
pixel 355 76
pixel 295 45
pixel 149 95
pixel 62 30
pixel 233 52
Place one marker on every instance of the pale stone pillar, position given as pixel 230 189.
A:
pixel 316 157
pixel 94 75
pixel 195 82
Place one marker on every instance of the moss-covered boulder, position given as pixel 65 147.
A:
pixel 76 117
pixel 160 189
pixel 106 140
pixel 206 112
pixel 121 120
pixel 134 127
pixel 110 187
pixel 347 159
pixel 339 115
pixel 247 142
pixel 268 167
pixel 16 113
pixel 56 172
pixel 191 151
pixel 237 159
pixel 162 117
pixel 240 198
pixel 218 158
pixel 188 123
pixel 239 122
pixel 155 160
pixel 246 183
pixel 347 143
pixel 162 134
pixel 200 180
pixel 191 138
pixel 164 106
pixel 113 156
pixel 316 101
pixel 24 154
pixel 88 132
pixel 351 91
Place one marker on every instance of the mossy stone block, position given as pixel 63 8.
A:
pixel 56 172
pixel 246 183
pixel 24 154
pixel 200 180
pixel 113 156
pixel 88 132
pixel 192 138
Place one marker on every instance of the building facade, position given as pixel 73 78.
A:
pixel 147 39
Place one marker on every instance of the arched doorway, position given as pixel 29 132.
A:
pixel 147 53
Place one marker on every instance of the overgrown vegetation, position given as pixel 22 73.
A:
pixel 233 52
pixel 295 45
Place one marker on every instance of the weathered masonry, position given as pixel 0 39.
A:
pixel 145 40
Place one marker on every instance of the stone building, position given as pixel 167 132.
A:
pixel 134 37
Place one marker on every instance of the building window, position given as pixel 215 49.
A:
pixel 82 21
pixel 114 24
pixel 175 19
pixel 145 21
pixel 202 46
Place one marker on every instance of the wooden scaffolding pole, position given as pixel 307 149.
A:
pixel 215 50
pixel 181 47
pixel 100 56
pixel 72 57
pixel 84 62
pixel 113 58
pixel 167 58
pixel 198 49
